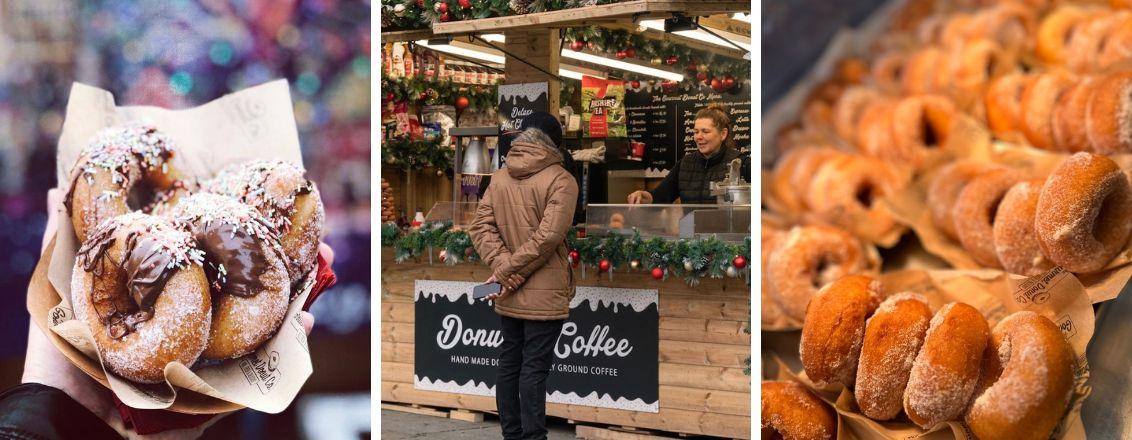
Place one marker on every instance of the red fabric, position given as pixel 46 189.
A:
pixel 152 421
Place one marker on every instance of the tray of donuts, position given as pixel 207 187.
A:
pixel 936 354
pixel 186 248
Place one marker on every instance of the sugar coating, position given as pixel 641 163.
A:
pixel 1015 241
pixel 884 368
pixel 934 393
pixel 1069 223
pixel 790 410
pixel 270 186
pixel 810 258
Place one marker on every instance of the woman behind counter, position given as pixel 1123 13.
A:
pixel 689 180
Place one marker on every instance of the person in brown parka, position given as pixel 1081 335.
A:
pixel 520 230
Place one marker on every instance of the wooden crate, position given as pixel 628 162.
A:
pixel 702 350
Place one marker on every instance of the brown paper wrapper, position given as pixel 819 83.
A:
pixel 1057 295
pixel 910 208
pixel 256 123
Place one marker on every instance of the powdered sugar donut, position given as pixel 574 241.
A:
pixel 834 329
pixel 946 370
pixel 792 412
pixel 245 268
pixel 944 189
pixel 808 259
pixel 1027 380
pixel 1108 123
pixel 138 284
pixel 280 192
pixel 975 212
pixel 893 336
pixel 1083 211
pixel 1014 239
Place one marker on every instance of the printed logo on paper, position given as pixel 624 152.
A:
pixel 261 369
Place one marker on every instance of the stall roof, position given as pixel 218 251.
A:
pixel 590 15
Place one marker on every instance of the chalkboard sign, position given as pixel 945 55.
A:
pixel 665 122
pixel 516 102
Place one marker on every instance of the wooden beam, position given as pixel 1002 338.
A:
pixel 681 40
pixel 591 14
pixel 727 24
pixel 539 48
pixel 414 35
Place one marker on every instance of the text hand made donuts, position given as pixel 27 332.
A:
pixel 138 284
pixel 246 269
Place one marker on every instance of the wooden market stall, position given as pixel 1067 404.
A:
pixel 703 352
pixel 705 347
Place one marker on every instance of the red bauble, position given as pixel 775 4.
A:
pixel 672 60
pixel 739 262
pixel 728 82
pixel 420 3
pixel 591 45
pixel 603 265
pixel 717 85
pixel 630 52
pixel 635 84
pixel 442 8
pixel 574 256
pixel 577 45
pixel 389 97
pixel 424 96
pixel 657 273
pixel 702 76
pixel 462 103
pixel 444 16
pixel 620 55
pixel 465 4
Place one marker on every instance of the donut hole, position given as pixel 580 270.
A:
pixel 1102 230
pixel 865 194
pixel 825 271
pixel 140 197
pixel 992 208
pixel 930 137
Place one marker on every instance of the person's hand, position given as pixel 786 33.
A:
pixel 639 197
pixel 507 285
pixel 45 364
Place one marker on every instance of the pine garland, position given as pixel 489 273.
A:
pixel 409 154
pixel 709 256
pixel 420 14
pixel 439 92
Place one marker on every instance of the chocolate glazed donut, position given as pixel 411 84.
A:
pixel 139 286
pixel 246 271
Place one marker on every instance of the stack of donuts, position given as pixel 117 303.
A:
pixel 1076 218
pixel 172 271
pixel 897 356
pixel 800 261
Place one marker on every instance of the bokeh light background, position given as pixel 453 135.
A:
pixel 183 53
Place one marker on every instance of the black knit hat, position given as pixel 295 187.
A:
pixel 547 123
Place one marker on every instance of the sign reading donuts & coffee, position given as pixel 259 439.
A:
pixel 606 355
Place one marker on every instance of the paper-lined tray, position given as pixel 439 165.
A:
pixel 256 123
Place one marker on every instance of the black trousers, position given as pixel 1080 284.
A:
pixel 524 363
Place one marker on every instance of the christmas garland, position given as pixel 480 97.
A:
pixel 409 154
pixel 692 259
pixel 427 91
pixel 719 72
pixel 399 15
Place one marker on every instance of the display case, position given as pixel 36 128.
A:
pixel 459 213
pixel 729 222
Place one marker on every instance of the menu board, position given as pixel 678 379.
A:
pixel 665 122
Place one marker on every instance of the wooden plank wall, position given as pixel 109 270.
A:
pixel 427 189
pixel 702 350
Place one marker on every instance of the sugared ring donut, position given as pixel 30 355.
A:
pixel 851 70
pixel 874 132
pixel 111 169
pixel 835 328
pixel 792 412
pixel 1038 100
pixel 1083 211
pixel 1117 47
pixel 1069 117
pixel 893 336
pixel 958 30
pixel 771 239
pixel 1011 25
pixel 975 211
pixel 1003 102
pixel 808 259
pixel 280 192
pixel 1014 239
pixel 944 189
pixel 920 123
pixel 849 109
pixel 979 62
pixel 848 188
pixel 138 283
pixel 922 71
pixel 797 179
pixel 1027 380
pixel 246 269
pixel 1107 122
pixel 1055 31
pixel 946 369
pixel 1088 39
pixel 887 71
